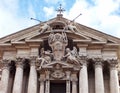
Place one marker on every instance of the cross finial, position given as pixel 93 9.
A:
pixel 60 9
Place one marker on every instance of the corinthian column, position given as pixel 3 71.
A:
pixel 99 83
pixel 5 76
pixel 32 85
pixel 83 76
pixel 17 87
pixel 114 82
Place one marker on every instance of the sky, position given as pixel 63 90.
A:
pixel 102 15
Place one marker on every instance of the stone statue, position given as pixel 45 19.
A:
pixel 71 27
pixel 45 57
pixel 44 28
pixel 70 58
pixel 74 52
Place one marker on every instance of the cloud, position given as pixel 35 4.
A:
pixel 101 15
pixel 10 21
pixel 49 11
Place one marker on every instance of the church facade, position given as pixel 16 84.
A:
pixel 59 56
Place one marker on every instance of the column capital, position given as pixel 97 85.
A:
pixel 5 63
pixel 83 60
pixel 19 61
pixel 68 75
pixel 33 60
pixel 74 77
pixel 113 63
pixel 47 73
pixel 98 61
pixel 42 78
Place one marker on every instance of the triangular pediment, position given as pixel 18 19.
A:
pixel 84 34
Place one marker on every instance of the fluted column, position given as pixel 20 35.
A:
pixel 47 84
pixel 99 83
pixel 68 81
pixel 83 76
pixel 17 87
pixel 42 80
pixel 32 85
pixel 114 82
pixel 74 83
pixel 5 76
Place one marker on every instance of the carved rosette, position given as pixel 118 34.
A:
pixel 19 62
pixel 113 63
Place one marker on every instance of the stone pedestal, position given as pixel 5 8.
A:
pixel 99 83
pixel 5 77
pixel 17 87
pixel 114 82
pixel 32 85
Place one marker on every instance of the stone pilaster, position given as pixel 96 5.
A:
pixel 5 76
pixel 68 81
pixel 83 76
pixel 32 85
pixel 47 84
pixel 74 82
pixel 42 80
pixel 17 87
pixel 114 82
pixel 99 81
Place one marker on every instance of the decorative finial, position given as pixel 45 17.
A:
pixel 60 10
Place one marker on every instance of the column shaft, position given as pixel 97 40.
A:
pixel 47 87
pixel 68 86
pixel 83 79
pixel 17 86
pixel 114 81
pixel 74 82
pixel 99 83
pixel 4 78
pixel 74 87
pixel 41 87
pixel 32 85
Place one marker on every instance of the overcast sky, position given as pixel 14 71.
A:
pixel 103 15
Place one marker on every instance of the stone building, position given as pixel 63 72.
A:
pixel 59 56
